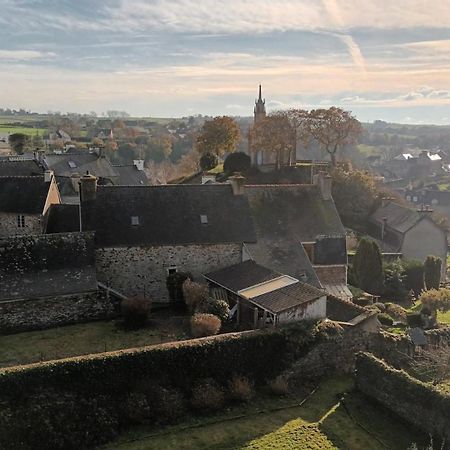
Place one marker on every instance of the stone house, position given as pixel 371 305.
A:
pixel 299 233
pixel 145 233
pixel 49 280
pixel 24 203
pixel 409 231
pixel 261 297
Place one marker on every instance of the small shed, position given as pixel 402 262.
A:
pixel 260 297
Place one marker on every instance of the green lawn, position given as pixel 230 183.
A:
pixel 81 339
pixel 10 129
pixel 324 421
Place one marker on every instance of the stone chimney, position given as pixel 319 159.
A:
pixel 48 175
pixel 88 188
pixel 237 184
pixel 323 180
pixel 139 164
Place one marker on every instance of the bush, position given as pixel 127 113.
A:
pixel 432 272
pixel 380 306
pixel 208 161
pixel 385 319
pixel 396 311
pixel 236 162
pixel 394 281
pixel 174 284
pixel 279 385
pixel 240 388
pixel 194 294
pixel 414 276
pixel 136 311
pixel 207 396
pixel 414 320
pixel 219 308
pixel 205 325
pixel 368 267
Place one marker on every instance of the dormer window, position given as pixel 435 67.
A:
pixel 135 220
pixel 20 221
pixel 203 219
pixel 72 164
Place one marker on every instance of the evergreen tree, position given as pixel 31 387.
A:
pixel 432 272
pixel 414 276
pixel 368 267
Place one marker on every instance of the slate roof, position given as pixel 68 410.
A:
pixel 47 265
pixel 168 215
pixel 287 297
pixel 24 195
pixel 399 218
pixel 81 163
pixel 20 168
pixel 241 276
pixel 63 218
pixel 130 176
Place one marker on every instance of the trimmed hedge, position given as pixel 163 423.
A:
pixel 418 403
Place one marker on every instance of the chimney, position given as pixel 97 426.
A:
pixel 41 156
pixel 48 175
pixel 139 164
pixel 237 184
pixel 323 180
pixel 88 188
pixel 425 210
pixel 385 201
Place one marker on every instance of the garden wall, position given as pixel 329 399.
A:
pixel 40 313
pixel 416 402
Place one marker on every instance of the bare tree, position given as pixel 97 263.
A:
pixel 433 365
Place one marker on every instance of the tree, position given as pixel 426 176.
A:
pixel 194 294
pixel 19 142
pixel 37 142
pixel 368 267
pixel 394 276
pixel 236 162
pixel 355 195
pixel 218 136
pixel 436 300
pixel 414 276
pixel 433 364
pixel 432 272
pixel 274 134
pixel 332 128
pixel 208 161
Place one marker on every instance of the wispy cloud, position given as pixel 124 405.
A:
pixel 24 55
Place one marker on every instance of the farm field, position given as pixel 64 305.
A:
pixel 82 339
pixel 10 129
pixel 334 417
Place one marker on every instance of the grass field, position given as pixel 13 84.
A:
pixel 10 129
pixel 81 339
pixel 334 417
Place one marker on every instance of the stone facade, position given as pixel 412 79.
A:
pixel 143 270
pixel 32 314
pixel 9 224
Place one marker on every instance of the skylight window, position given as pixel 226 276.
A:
pixel 134 220
pixel 72 164
pixel 203 219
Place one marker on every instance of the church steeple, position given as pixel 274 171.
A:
pixel 260 107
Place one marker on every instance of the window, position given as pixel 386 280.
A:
pixel 171 270
pixel 72 164
pixel 203 219
pixel 415 199
pixel 408 197
pixel 135 220
pixel 21 221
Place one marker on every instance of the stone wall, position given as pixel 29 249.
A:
pixel 8 225
pixel 143 270
pixel 418 403
pixel 31 314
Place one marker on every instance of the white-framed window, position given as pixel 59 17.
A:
pixel 203 219
pixel 415 199
pixel 171 270
pixel 135 220
pixel 408 197
pixel 20 221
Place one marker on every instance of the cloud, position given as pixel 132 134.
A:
pixel 24 55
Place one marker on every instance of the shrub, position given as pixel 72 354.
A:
pixel 432 272
pixel 396 311
pixel 394 281
pixel 204 325
pixel 194 294
pixel 174 284
pixel 136 311
pixel 208 161
pixel 240 388
pixel 414 276
pixel 236 162
pixel 385 319
pixel 380 306
pixel 279 385
pixel 207 396
pixel 368 267
pixel 219 308
pixel 414 320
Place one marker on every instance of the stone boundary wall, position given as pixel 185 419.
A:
pixel 34 314
pixel 418 403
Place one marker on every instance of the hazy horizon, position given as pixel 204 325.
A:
pixel 387 61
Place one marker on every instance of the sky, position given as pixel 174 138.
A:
pixel 383 59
